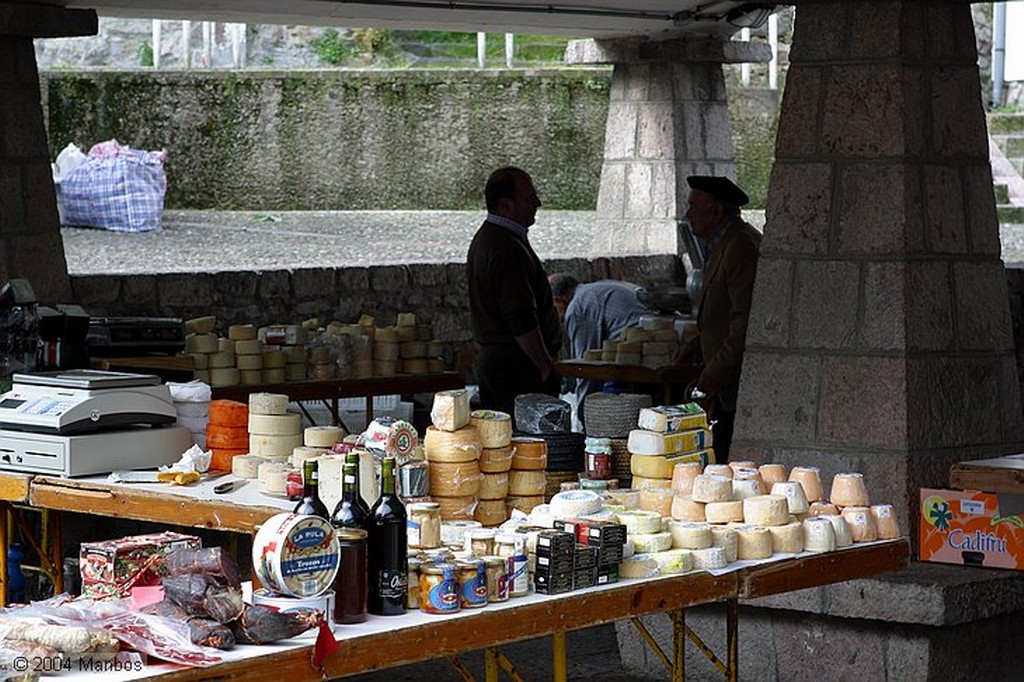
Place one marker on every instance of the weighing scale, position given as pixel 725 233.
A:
pixel 82 422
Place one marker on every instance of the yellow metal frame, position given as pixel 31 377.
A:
pixel 676 665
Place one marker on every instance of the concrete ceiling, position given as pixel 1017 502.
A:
pixel 584 18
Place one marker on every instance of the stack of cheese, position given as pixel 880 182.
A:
pixel 289 340
pixel 274 433
pixel 320 366
pixel 652 344
pixel 244 357
pixel 354 343
pixel 452 448
pixel 667 435
pixel 200 344
pixel 527 479
pixel 192 407
pixel 495 429
pixel 226 433
pixel 867 522
pixel 247 352
pixel 317 442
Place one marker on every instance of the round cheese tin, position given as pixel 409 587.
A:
pixel 295 555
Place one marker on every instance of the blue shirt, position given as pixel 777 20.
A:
pixel 508 224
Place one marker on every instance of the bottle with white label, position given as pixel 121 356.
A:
pixel 388 548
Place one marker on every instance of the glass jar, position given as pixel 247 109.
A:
pixel 439 588
pixel 480 541
pixel 351 589
pixel 472 584
pixel 598 458
pixel 424 525
pixel 412 593
pixel 497 578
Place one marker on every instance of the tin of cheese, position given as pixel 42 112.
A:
pixel 296 555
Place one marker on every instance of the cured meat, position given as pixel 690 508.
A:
pixel 203 631
pixel 210 561
pixel 200 595
pixel 138 631
pixel 262 625
pixel 71 640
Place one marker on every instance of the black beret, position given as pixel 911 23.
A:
pixel 723 189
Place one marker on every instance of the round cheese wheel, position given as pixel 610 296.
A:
pixel 455 508
pixel 743 488
pixel 861 523
pixel 268 403
pixel 201 325
pixel 491 512
pixel 322 436
pixel 841 529
pixel 226 346
pixel 683 475
pixel 295 372
pixel 572 504
pixel 639 566
pixel 724 512
pixel 651 466
pixel 719 469
pixel 773 473
pixel 274 376
pixel 651 542
pixel 249 362
pixel 794 494
pixel 629 498
pixel 685 509
pixel 226 437
pixel 673 561
pixel 250 377
pixel 710 558
pixel 249 347
pixel 246 466
pixel 495 427
pixel 688 535
pixel 224 376
pixel 455 479
pixel 848 490
pixel 493 487
pixel 273 446
pixel 742 464
pixel 389 352
pixel 819 535
pixel 273 477
pixel 712 487
pixel 241 332
pixel 728 540
pixel 529 453
pixel 276 424
pixel 301 453
pixel 274 359
pixel 199 360
pixel 885 521
pixel 788 538
pixel 639 522
pixel 452 446
pixel 524 503
pixel 201 343
pixel 810 479
pixel 228 413
pixel 416 366
pixel 526 483
pixel 412 349
pixel 657 500
pixel 641 482
pixel 220 359
pixel 821 507
pixel 496 460
pixel 754 542
pixel 766 510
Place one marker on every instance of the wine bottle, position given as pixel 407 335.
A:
pixel 353 459
pixel 387 548
pixel 311 504
pixel 348 513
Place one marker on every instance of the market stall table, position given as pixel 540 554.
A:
pixel 330 391
pixel 636 376
pixel 14 489
pixel 386 642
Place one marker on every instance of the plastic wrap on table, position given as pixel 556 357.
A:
pixel 201 595
pixel 263 625
pixel 540 413
pixel 209 561
pixel 203 631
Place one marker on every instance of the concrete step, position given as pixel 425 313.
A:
pixel 1002 191
pixel 1006 123
pixel 1010 214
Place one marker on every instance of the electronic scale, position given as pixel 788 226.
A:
pixel 81 422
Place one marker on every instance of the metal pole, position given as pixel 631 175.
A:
pixel 560 666
pixel 745 66
pixel 998 52
pixel 773 41
pixel 510 48
pixel 481 49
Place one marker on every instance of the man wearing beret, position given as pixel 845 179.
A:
pixel 730 264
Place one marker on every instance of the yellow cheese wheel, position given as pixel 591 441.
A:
pixel 529 454
pixel 249 347
pixel 224 376
pixel 273 446
pixel 754 542
pixel 201 343
pixel 220 359
pixel 268 403
pixel 524 503
pixel 495 427
pixel 651 466
pixel 241 332
pixel 526 483
pixel 454 479
pixel 275 424
pixel 766 510
pixel 657 500
pixel 641 482
pixel 788 538
pixel 274 359
pixel 201 325
pixel 496 460
pixel 724 512
pixel 455 508
pixel 684 508
pixel 690 535
pixel 249 362
pixel 386 351
pixel 493 487
pixel 462 445
pixel 491 512
pixel 322 436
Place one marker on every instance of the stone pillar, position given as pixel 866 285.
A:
pixel 880 337
pixel 667 119
pixel 29 229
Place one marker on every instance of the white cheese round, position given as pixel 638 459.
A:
pixel 640 522
pixel 712 488
pixel 710 558
pixel 766 510
pixel 651 542
pixel 841 529
pixel 728 539
pixel 724 512
pixel 788 538
pixel 754 542
pixel 796 500
pixel 819 535
pixel 685 509
pixel 689 535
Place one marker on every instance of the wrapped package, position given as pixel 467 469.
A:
pixel 111 568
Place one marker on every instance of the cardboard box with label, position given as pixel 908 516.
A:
pixel 972 528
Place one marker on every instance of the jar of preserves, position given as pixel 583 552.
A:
pixel 439 588
pixel 350 584
pixel 412 594
pixel 424 525
pixel 598 458
pixel 472 584
pixel 497 578
pixel 480 541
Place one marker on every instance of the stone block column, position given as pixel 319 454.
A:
pixel 667 118
pixel 29 228
pixel 880 336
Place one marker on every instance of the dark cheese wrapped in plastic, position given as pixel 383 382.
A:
pixel 210 561
pixel 539 413
pixel 203 631
pixel 202 596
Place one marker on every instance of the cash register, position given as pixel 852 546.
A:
pixel 82 422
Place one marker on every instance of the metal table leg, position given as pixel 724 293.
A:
pixel 732 619
pixel 559 663
pixel 5 510
pixel 678 645
pixel 491 670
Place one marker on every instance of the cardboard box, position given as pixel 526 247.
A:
pixel 113 567
pixel 971 528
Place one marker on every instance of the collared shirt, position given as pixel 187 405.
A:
pixel 508 224
pixel 714 240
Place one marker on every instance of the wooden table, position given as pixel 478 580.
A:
pixel 999 475
pixel 414 637
pixel 330 391
pixel 634 375
pixel 14 489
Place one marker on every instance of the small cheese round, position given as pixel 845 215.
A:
pixel 241 332
pixel 201 325
pixel 529 453
pixel 788 538
pixel 657 500
pixel 246 466
pixel 220 359
pixel 273 477
pixel 794 494
pixel 273 446
pixel 301 453
pixel 201 343
pixel 629 498
pixel 322 436
pixel 819 535
pixel 249 347
pixel 268 403
pixel 224 376
pixel 491 512
pixel 275 424
pixel 848 490
pixel 773 473
pixel 496 460
pixel 650 466
pixel 728 539
pixel 639 566
pixel 527 483
pixel 454 479
pixel 742 488
pixel 462 445
pixel 495 427
pixel 525 503
pixel 641 482
pixel 688 535
pixel 712 488
pixel 685 509
pixel 673 561
pixel 754 542
pixel 724 512
pixel 570 504
pixel 719 469
pixel 862 523
pixel 683 474
pixel 710 558
pixel 810 479
pixel 455 508
pixel 638 522
pixel 822 507
pixel 493 487
pixel 651 542
pixel 766 510
pixel 841 528
pixel 885 520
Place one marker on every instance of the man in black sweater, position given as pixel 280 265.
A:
pixel 510 301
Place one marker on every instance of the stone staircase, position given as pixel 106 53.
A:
pixel 1006 150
